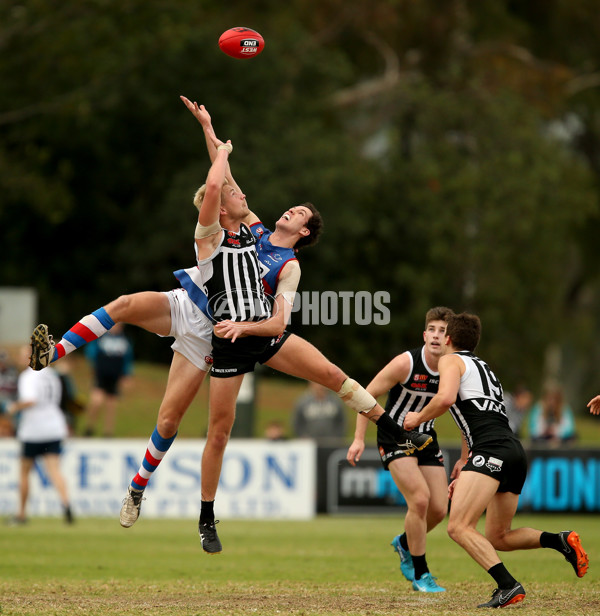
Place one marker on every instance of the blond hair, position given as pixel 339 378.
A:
pixel 201 192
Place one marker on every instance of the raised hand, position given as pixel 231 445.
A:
pixel 594 405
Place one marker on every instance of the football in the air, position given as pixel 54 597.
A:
pixel 241 43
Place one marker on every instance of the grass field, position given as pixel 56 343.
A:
pixel 329 566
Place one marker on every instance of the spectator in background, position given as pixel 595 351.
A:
pixel 112 360
pixel 6 426
pixel 41 430
pixel 70 402
pixel 551 420
pixel 319 414
pixel 9 376
pixel 275 431
pixel 517 406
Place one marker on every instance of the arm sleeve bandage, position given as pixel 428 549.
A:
pixel 288 283
pixel 202 232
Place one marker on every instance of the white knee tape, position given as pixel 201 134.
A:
pixel 356 396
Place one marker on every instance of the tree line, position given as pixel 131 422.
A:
pixel 452 148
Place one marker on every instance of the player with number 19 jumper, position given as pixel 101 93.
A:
pixel 492 477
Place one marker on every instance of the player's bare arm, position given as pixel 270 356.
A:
pixel 396 371
pixel 451 368
pixel 19 405
pixel 287 285
pixel 458 466
pixel 464 456
pixel 211 204
pixel 201 114
pixel 594 405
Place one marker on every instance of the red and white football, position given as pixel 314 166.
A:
pixel 241 43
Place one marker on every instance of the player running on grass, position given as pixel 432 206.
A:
pixel 411 380
pixel 494 473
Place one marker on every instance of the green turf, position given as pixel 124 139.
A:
pixel 329 566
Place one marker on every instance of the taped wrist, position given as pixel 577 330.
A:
pixel 226 146
pixel 356 396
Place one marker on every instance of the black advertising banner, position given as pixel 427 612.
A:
pixel 557 481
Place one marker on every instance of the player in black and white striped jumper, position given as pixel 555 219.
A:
pixel 494 474
pixel 239 344
pixel 411 379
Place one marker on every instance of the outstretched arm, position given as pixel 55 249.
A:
pixel 202 115
pixel 209 211
pixel 211 204
pixel 450 367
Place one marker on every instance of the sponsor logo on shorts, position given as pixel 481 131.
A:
pixel 208 359
pixel 224 370
pixel 478 461
pixel 406 450
pixel 494 464
pixel 276 341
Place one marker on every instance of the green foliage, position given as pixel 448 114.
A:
pixel 453 150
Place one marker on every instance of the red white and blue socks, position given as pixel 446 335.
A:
pixel 91 327
pixel 157 448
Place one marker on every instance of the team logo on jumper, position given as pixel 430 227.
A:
pixel 478 461
pixel 494 464
pixel 420 377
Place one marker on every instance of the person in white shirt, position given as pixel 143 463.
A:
pixel 41 429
